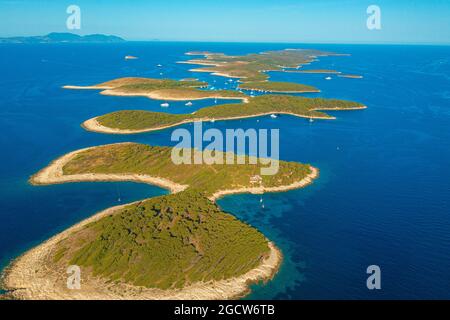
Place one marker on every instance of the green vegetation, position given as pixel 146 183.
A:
pixel 251 67
pixel 132 158
pixel 166 242
pixel 140 119
pixel 174 240
pixel 149 84
pixel 163 84
pixel 300 106
pixel 273 86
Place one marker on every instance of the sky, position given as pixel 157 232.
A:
pixel 314 21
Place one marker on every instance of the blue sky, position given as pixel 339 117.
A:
pixel 344 21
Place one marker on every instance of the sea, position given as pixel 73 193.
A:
pixel 382 197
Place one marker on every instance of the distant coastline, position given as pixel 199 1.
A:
pixel 56 37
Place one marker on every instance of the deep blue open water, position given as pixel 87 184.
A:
pixel 382 197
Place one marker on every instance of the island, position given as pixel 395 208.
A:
pixel 64 37
pixel 138 121
pixel 253 67
pixel 350 76
pixel 161 89
pixel 176 246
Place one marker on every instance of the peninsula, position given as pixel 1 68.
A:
pixel 161 89
pixel 137 121
pixel 178 246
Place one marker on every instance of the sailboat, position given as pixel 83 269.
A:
pixel 118 194
pixel 188 104
pixel 311 119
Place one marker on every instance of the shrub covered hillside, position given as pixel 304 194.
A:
pixel 135 158
pixel 166 242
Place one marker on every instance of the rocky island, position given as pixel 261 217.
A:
pixel 137 121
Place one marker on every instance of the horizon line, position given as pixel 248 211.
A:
pixel 344 42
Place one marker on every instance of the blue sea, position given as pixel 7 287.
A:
pixel 382 197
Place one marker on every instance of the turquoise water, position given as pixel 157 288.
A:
pixel 382 197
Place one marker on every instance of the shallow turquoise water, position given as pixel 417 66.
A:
pixel 382 197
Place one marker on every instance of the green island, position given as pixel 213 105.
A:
pixel 161 89
pixel 252 67
pixel 139 121
pixel 163 247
